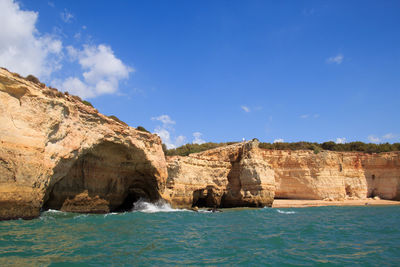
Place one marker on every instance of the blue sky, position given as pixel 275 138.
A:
pixel 195 71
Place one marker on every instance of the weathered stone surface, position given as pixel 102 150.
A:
pixel 334 175
pixel 58 153
pixel 244 175
pixel 53 148
pixel 232 176
pixel 84 203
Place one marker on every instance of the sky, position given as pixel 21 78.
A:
pixel 219 71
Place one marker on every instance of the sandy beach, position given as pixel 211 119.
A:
pixel 300 203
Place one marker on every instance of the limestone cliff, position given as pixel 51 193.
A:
pixel 231 176
pixel 303 174
pixel 244 175
pixel 56 152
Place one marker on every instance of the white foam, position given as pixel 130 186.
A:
pixel 285 212
pixel 54 211
pixel 159 206
pixel 112 213
pixel 205 211
pixel 81 216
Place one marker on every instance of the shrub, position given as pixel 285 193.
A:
pixel 77 98
pixel 16 75
pixel 32 78
pixel 116 119
pixel 142 129
pixel 87 103
pixel 194 148
pixel 164 148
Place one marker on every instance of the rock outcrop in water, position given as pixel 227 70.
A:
pixel 57 152
pixel 232 176
pixel 244 175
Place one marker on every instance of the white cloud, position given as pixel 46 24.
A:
pixel 304 116
pixel 66 16
pixel 245 108
pixel 280 140
pixel 180 140
pixel 384 138
pixel 340 140
pixel 338 59
pixel 165 119
pixel 374 139
pixel 389 136
pixel 165 136
pixel 102 72
pixel 197 138
pixel 22 48
pixel 164 132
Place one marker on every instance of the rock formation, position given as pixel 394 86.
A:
pixel 232 176
pixel 57 152
pixel 332 175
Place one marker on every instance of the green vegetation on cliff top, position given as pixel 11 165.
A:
pixel 316 147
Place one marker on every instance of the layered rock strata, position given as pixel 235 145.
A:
pixel 232 176
pixel 334 175
pixel 57 152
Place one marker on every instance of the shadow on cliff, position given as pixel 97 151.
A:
pixel 107 177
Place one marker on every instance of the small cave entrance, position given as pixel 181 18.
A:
pixel 136 193
pixel 205 198
pixel 113 173
pixel 349 191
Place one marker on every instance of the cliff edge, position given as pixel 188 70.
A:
pixel 57 152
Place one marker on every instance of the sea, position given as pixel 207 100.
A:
pixel 157 235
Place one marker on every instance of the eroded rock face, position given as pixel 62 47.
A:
pixel 334 175
pixel 232 176
pixel 244 175
pixel 53 148
pixel 58 153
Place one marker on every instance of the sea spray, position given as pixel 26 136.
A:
pixel 159 206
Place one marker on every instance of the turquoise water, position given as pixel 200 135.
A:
pixel 337 236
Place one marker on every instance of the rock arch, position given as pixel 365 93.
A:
pixel 107 177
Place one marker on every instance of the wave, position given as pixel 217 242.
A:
pixel 285 212
pixel 159 206
pixel 111 213
pixel 54 211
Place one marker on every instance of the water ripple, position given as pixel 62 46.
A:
pixel 257 237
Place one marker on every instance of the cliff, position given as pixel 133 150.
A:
pixel 245 175
pixel 56 152
pixel 331 175
pixel 231 176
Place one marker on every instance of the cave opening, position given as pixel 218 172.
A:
pixel 349 191
pixel 109 174
pixel 205 198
